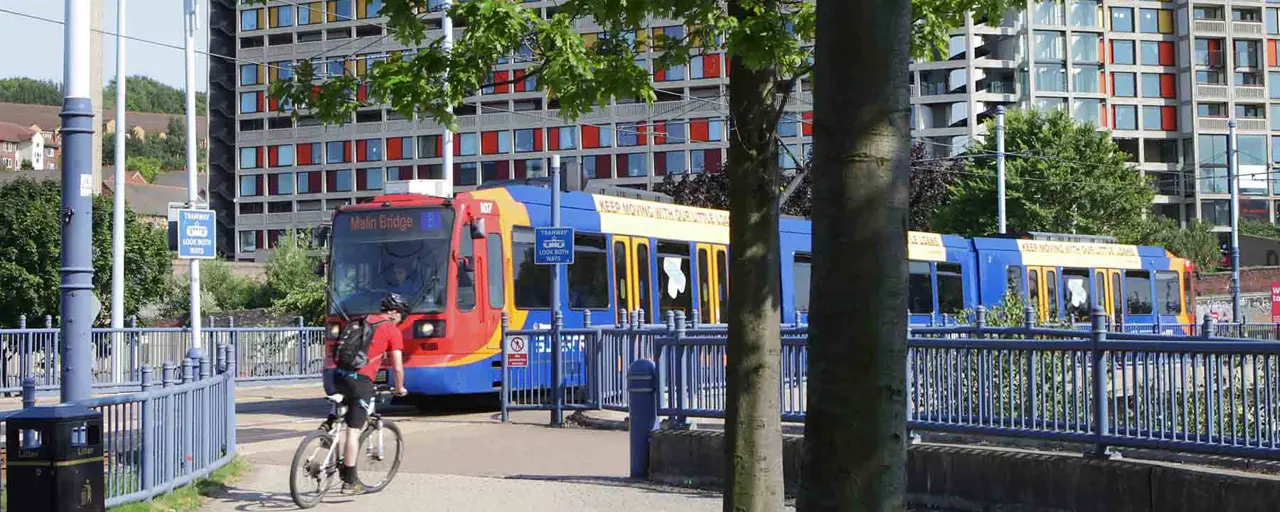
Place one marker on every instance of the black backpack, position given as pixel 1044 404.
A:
pixel 351 353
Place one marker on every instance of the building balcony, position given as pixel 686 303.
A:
pixel 1209 26
pixel 1246 28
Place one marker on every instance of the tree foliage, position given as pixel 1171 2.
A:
pixel 143 94
pixel 1196 242
pixel 292 284
pixel 170 151
pixel 931 178
pixel 30 243
pixel 1061 176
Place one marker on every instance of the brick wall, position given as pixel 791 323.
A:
pixel 1252 280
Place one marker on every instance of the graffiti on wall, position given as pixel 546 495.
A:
pixel 1256 307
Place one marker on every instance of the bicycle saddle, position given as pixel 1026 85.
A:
pixel 335 398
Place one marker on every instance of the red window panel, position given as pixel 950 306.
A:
pixel 331 181
pixel 659 132
pixel 659 164
pixel 518 76
pixel 590 136
pixel 711 65
pixel 1168 86
pixel 1271 53
pixel 1168 118
pixel 602 166
pixel 304 154
pixel 362 180
pixel 622 160
pixel 500 170
pixel 362 93
pixel 395 148
pixel 261 101
pixel 346 151
pixel 313 181
pixel 424 172
pixel 1166 53
pixel 728 68
pixel 698 131
pixel 1215 52
pixel 488 143
pixel 273 156
pixel 262 156
pixel 553 138
pixel 362 150
pixel 537 139
pixel 274 104
pixel 806 124
pixel 712 160
pixel 1102 50
pixel 642 133
pixel 1102 116
pixel 500 78
pixel 1102 75
pixel 258 237
pixel 659 75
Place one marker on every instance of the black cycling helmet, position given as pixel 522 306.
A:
pixel 395 302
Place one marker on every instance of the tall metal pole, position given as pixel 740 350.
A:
pixel 193 186
pixel 77 207
pixel 557 412
pixel 1000 163
pixel 117 216
pixel 1233 175
pixel 447 137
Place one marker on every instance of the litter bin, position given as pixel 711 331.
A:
pixel 55 457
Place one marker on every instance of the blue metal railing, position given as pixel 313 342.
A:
pixel 173 431
pixel 270 354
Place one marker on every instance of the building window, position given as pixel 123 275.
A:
pixel 429 146
pixel 1046 13
pixel 465 174
pixel 1126 117
pixel 369 150
pixel 1084 14
pixel 466 144
pixel 1085 78
pixel 340 181
pixel 249 158
pixel 674 162
pixel 250 102
pixel 1123 85
pixel 250 20
pixel 1122 19
pixel 1087 111
pixel 248 241
pixel 527 140
pixel 1122 51
pixel 336 152
pixel 249 186
pixel 309 182
pixel 249 74
pixel 1155 21
pixel 280 17
pixel 1213 164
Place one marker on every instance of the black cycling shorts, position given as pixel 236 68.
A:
pixel 357 393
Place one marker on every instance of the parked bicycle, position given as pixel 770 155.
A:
pixel 318 467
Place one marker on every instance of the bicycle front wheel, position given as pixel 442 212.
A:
pixel 313 470
pixel 380 450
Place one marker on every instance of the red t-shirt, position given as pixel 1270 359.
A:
pixel 386 337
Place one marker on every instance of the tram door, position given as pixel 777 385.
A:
pixel 1042 291
pixel 1110 296
pixel 631 276
pixel 713 283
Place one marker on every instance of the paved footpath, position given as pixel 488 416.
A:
pixel 455 460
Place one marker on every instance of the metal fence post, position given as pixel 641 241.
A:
pixel 170 430
pixel 642 388
pixel 979 320
pixel 188 416
pixel 694 318
pixel 133 347
pixel 1210 329
pixel 557 369
pixel 147 461
pixel 1100 420
pixel 506 370
pixel 671 320
pixel 221 363
pixel 230 446
pixel 302 347
pixel 28 393
pixel 25 348
pixel 640 318
pixel 233 352
pixel 1029 321
pixel 680 366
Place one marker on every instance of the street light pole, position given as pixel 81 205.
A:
pixel 446 138
pixel 1233 175
pixel 117 215
pixel 193 186
pixel 76 287
pixel 1000 164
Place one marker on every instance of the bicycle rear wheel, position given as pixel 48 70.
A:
pixel 378 447
pixel 313 468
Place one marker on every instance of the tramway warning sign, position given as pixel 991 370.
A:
pixel 196 234
pixel 553 246
pixel 517 352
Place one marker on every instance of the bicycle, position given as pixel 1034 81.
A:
pixel 325 470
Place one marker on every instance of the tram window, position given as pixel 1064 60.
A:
pixel 722 275
pixel 1186 293
pixel 620 276
pixel 1033 288
pixel 466 276
pixel 950 288
pixel 1051 289
pixel 589 273
pixel 801 273
pixel 1117 298
pixel 673 278
pixel 704 287
pixel 1167 292
pixel 920 288
pixel 1014 276
pixel 1075 284
pixel 1138 285
pixel 1100 287
pixel 643 279
pixel 497 286
pixel 532 282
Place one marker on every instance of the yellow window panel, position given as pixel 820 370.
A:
pixel 1164 21
pixel 590 39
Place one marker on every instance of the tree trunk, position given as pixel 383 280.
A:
pixel 753 415
pixel 855 447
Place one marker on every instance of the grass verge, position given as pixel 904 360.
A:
pixel 187 497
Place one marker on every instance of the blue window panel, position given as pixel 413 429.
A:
pixel 466 144
pixel 345 181
pixel 249 20
pixel 524 140
pixel 248 158
pixel 333 153
pixel 675 162
pixel 248 102
pixel 248 186
pixel 568 137
pixel 637 164
pixel 249 74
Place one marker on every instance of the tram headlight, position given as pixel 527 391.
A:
pixel 428 329
pixel 333 331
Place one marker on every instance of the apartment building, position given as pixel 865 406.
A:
pixel 1164 77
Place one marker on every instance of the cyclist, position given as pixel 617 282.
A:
pixel 357 387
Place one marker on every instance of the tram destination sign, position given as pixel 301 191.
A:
pixel 395 224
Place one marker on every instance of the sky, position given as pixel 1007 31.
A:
pixel 155 20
